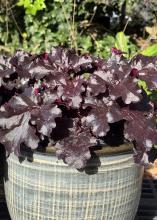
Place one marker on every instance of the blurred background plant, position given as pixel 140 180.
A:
pixel 86 25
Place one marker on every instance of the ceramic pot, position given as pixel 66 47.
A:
pixel 48 189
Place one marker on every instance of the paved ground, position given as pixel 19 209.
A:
pixel 148 205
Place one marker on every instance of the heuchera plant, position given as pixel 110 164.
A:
pixel 72 101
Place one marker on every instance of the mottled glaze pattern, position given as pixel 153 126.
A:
pixel 47 189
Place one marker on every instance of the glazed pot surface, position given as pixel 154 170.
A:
pixel 47 189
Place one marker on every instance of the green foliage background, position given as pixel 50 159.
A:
pixel 86 25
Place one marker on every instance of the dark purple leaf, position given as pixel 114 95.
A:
pixel 67 60
pixel 149 75
pixel 74 149
pixel 71 92
pixel 45 118
pixel 100 115
pixel 141 155
pixel 96 85
pixel 127 90
pixel 119 82
pixel 140 127
pixel 7 73
pixel 22 116
pixel 17 132
pixel 140 61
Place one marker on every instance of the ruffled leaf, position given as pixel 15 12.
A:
pixel 45 118
pixel 74 149
pixel 140 127
pixel 19 132
pixel 100 115
pixel 72 91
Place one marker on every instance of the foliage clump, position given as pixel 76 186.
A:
pixel 72 102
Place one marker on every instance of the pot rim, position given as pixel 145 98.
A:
pixel 126 148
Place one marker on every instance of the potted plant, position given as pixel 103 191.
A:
pixel 79 105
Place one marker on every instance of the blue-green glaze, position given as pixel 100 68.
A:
pixel 47 189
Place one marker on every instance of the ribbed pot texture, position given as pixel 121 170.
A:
pixel 47 189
